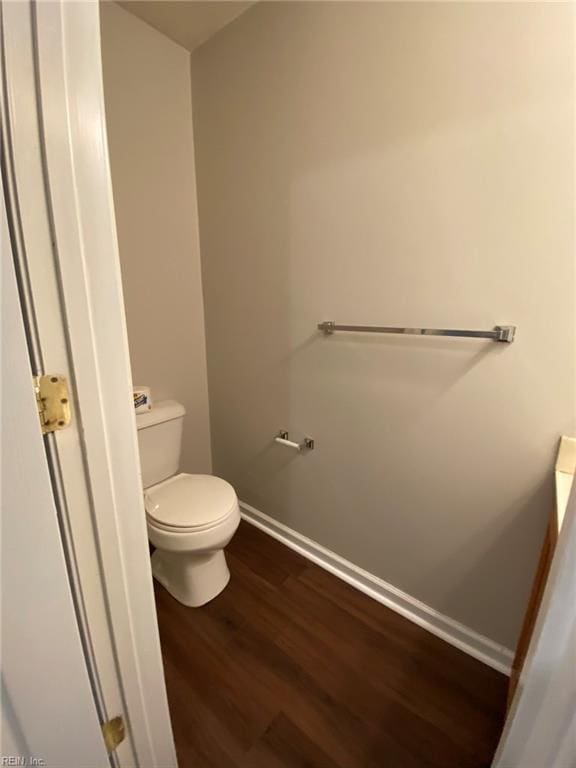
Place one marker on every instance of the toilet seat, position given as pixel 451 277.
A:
pixel 187 503
pixel 181 530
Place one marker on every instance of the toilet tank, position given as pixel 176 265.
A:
pixel 159 440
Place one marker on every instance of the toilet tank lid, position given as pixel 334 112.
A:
pixel 164 410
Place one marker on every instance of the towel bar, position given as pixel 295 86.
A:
pixel 503 333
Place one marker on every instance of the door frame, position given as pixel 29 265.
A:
pixel 57 167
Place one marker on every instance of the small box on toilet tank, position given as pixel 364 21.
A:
pixel 142 399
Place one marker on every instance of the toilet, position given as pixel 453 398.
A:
pixel 190 518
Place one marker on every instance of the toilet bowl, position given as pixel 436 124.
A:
pixel 190 518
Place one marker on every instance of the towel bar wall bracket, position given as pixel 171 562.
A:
pixel 500 333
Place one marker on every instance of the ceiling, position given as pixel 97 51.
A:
pixel 187 22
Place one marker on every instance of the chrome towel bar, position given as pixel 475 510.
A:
pixel 503 333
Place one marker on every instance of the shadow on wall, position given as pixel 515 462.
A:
pixel 487 552
pixel 484 550
pixel 398 164
pixel 272 460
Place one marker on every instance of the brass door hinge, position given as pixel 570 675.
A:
pixel 53 402
pixel 114 733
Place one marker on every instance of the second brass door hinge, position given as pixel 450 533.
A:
pixel 114 733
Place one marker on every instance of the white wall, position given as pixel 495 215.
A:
pixel 396 164
pixel 149 115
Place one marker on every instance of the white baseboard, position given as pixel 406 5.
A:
pixel 482 648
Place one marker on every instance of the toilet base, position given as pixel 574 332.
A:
pixel 192 579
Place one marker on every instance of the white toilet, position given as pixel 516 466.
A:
pixel 190 518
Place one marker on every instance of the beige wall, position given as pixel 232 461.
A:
pixel 149 114
pixel 397 164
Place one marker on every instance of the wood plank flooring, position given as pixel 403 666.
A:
pixel 292 668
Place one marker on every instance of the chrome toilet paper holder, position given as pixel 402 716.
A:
pixel 282 438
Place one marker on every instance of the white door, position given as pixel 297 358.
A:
pixel 48 710
pixel 540 730
pixel 58 192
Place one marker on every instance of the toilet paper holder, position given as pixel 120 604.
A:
pixel 282 439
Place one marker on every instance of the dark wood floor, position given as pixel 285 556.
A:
pixel 290 666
